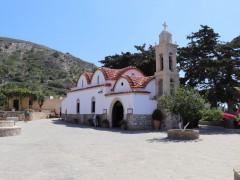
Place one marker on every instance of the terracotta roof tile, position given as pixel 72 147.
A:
pixel 88 76
pixel 137 81
pixel 113 74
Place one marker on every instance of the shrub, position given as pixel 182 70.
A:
pixel 105 123
pixel 186 103
pixel 213 114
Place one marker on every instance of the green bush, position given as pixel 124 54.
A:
pixel 211 114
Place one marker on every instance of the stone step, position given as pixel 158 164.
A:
pixel 7 123
pixel 10 131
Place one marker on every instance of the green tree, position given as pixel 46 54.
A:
pixel 186 104
pixel 40 99
pixel 211 66
pixel 144 60
pixel 3 100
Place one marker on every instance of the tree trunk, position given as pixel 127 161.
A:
pixel 231 108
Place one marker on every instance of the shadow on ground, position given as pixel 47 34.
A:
pixel 213 130
pixel 203 129
pixel 117 130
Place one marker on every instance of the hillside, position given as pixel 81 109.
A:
pixel 37 67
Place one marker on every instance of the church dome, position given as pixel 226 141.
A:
pixel 165 36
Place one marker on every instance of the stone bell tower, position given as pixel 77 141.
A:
pixel 166 75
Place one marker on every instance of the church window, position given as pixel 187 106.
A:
pixel 172 89
pixel 78 106
pixel 97 79
pixel 161 63
pixel 170 62
pixel 161 87
pixel 122 83
pixel 93 104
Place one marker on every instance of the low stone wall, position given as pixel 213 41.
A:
pixel 135 121
pixel 211 123
pixel 80 118
pixel 20 114
pixel 4 123
pixel 5 114
pixel 139 121
pixel 38 115
pixel 10 131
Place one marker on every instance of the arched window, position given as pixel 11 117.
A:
pixel 172 89
pixel 161 63
pixel 98 79
pixel 93 104
pixel 161 87
pixel 170 61
pixel 78 106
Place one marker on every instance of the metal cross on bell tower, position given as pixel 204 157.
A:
pixel 165 26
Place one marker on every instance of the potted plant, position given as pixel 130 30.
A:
pixel 157 117
pixel 230 120
pixel 105 123
pixel 123 125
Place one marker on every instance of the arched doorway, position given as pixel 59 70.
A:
pixel 117 114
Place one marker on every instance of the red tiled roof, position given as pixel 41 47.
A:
pixel 88 76
pixel 137 81
pixel 113 74
pixel 128 92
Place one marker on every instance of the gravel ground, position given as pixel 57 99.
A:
pixel 52 149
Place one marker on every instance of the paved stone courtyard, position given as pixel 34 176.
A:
pixel 55 150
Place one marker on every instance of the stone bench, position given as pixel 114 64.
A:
pixel 10 131
pixel 5 123
pixel 15 119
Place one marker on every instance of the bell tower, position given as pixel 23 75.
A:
pixel 166 75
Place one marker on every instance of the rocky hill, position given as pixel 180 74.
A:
pixel 37 67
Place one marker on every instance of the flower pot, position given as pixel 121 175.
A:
pixel 156 124
pixel 229 123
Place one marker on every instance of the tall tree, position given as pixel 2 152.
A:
pixel 144 59
pixel 211 66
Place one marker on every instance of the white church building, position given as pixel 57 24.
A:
pixel 125 94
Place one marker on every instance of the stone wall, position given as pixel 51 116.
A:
pixel 80 118
pixel 5 114
pixel 38 115
pixel 135 121
pixel 20 114
pixel 139 121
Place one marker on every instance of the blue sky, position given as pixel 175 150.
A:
pixel 93 29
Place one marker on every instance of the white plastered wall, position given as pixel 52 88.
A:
pixel 95 76
pixel 122 85
pixel 82 82
pixel 151 88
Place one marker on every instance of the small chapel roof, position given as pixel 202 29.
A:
pixel 137 81
pixel 88 76
pixel 113 74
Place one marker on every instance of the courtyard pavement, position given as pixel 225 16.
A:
pixel 51 149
